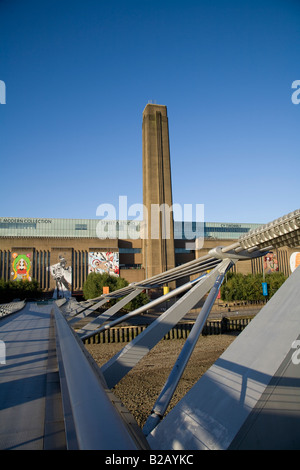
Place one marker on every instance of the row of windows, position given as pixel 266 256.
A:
pixel 130 250
pixel 190 232
pixel 130 266
pixel 115 229
pixel 226 229
pixel 18 225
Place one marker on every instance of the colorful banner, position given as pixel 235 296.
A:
pixel 270 263
pixel 21 266
pixel 294 261
pixel 104 262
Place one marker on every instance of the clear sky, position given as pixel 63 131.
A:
pixel 78 75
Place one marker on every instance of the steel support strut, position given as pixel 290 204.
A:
pixel 119 365
pixel 103 317
pixel 143 308
pixel 169 388
pixel 86 312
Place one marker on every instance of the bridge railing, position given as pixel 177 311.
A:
pixel 11 307
pixel 91 418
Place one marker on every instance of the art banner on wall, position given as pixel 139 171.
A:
pixel 61 272
pixel 104 262
pixel 270 263
pixel 21 267
pixel 294 261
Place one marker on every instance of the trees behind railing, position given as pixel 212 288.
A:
pixel 11 290
pixel 239 287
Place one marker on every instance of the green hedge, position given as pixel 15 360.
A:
pixel 249 287
pixel 10 290
pixel 93 287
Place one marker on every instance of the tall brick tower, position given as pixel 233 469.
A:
pixel 158 245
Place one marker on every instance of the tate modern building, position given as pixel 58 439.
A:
pixel 60 253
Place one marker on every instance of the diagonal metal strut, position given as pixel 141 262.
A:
pixel 169 388
pixel 119 365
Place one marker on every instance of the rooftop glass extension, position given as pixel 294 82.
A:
pixel 126 229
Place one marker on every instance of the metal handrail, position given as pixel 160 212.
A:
pixel 11 307
pixel 92 420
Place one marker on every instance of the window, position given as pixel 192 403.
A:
pixel 182 250
pixel 130 266
pixel 17 225
pixel 130 250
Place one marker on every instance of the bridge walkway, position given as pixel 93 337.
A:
pixel 31 416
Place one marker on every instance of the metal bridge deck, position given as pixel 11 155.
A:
pixel 30 402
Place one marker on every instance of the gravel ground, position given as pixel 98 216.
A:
pixel 139 389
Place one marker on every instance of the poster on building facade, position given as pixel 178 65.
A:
pixel 270 263
pixel 294 261
pixel 61 273
pixel 21 266
pixel 104 262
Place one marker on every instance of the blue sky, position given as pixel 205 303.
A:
pixel 78 75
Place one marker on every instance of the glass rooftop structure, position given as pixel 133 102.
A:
pixel 127 229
